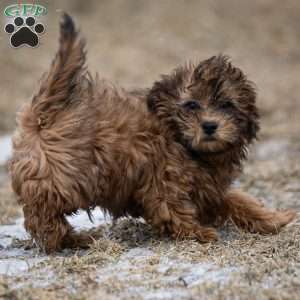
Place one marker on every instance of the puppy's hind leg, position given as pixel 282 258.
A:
pixel 48 230
pixel 52 232
pixel 248 213
pixel 44 217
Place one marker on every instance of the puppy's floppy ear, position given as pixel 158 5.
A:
pixel 252 127
pixel 167 91
pixel 249 95
pixel 153 96
pixel 164 92
pixel 151 102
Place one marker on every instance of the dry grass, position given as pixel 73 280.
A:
pixel 262 267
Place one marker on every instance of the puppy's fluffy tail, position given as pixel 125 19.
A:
pixel 61 82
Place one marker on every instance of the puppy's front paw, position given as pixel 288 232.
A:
pixel 81 240
pixel 198 232
pixel 282 218
pixel 206 235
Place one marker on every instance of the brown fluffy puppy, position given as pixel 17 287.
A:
pixel 83 143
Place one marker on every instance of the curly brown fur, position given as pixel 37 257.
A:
pixel 210 109
pixel 83 143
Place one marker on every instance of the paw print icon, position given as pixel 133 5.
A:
pixel 24 32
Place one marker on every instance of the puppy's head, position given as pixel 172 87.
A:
pixel 209 107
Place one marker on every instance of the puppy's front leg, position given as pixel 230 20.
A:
pixel 248 213
pixel 177 218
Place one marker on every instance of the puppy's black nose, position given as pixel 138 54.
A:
pixel 209 127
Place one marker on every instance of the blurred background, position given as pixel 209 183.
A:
pixel 134 41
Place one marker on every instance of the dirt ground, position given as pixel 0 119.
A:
pixel 133 42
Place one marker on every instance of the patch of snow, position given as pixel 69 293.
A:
pixel 81 220
pixel 37 278
pixel 164 294
pixel 135 253
pixel 16 261
pixel 179 276
pixel 16 266
pixel 10 232
pixel 207 272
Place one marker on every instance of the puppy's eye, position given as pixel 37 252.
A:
pixel 227 105
pixel 191 105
